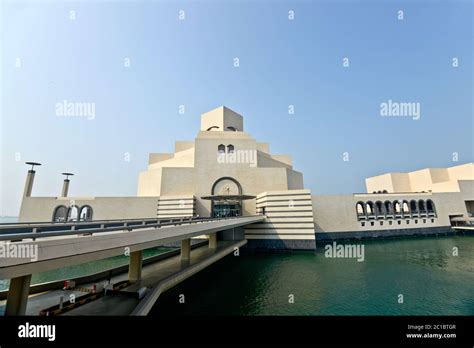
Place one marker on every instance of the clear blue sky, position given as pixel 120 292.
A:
pixel 190 62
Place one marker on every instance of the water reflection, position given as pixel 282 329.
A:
pixel 424 270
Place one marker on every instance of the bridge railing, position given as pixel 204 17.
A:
pixel 58 226
pixel 42 224
pixel 35 231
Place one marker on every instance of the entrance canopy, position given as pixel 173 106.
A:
pixel 226 205
pixel 228 197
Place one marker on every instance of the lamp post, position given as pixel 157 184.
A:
pixel 66 184
pixel 30 178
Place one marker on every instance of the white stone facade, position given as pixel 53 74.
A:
pixel 225 160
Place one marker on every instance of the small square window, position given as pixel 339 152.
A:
pixel 424 221
pixel 399 222
pixel 432 220
pixel 390 222
pixel 362 224
pixel 408 221
pixel 416 221
pixel 381 223
pixel 371 223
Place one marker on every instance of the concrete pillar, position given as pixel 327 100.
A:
pixel 213 240
pixel 17 297
pixel 135 267
pixel 30 178
pixel 65 190
pixel 186 249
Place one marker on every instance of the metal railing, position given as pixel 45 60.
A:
pixel 43 230
pixel 6 225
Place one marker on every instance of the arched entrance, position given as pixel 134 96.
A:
pixel 60 214
pixel 85 213
pixel 226 198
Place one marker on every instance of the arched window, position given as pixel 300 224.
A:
pixel 211 128
pixel 221 148
pixel 422 206
pixel 384 191
pixel 60 214
pixel 86 213
pixel 230 148
pixel 405 207
pixel 73 213
pixel 360 208
pixel 397 207
pixel 413 207
pixel 370 208
pixel 379 208
pixel 430 207
pixel 388 207
pixel 232 128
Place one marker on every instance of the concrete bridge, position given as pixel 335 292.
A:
pixel 59 245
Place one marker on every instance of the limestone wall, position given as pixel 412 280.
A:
pixel 289 216
pixel 337 213
pixel 104 208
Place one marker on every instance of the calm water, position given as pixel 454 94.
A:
pixel 432 281
pixel 424 270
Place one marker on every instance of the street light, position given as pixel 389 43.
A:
pixel 65 190
pixel 30 179
pixel 33 164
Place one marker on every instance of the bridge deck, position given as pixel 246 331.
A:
pixel 164 273
pixel 65 250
